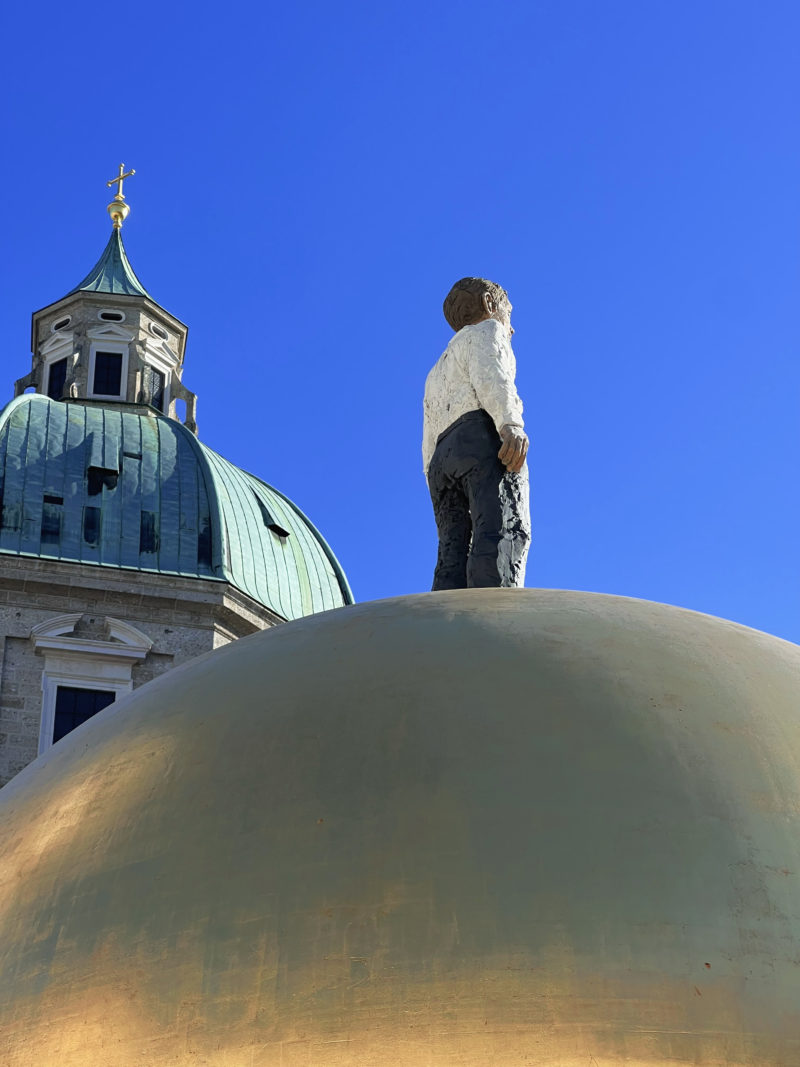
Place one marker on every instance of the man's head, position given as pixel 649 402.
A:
pixel 472 300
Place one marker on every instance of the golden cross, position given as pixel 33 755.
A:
pixel 119 180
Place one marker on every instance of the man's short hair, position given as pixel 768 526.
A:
pixel 463 305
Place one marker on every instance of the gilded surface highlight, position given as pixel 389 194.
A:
pixel 490 827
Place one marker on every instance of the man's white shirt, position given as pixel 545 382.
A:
pixel 476 371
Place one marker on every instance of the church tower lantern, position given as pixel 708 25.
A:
pixel 107 340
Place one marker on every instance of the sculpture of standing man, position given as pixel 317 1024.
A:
pixel 474 445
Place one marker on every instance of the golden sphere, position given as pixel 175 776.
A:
pixel 119 211
pixel 487 827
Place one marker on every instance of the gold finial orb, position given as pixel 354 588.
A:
pixel 118 209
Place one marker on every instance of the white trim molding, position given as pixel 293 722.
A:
pixel 109 337
pixel 60 344
pixel 165 366
pixel 112 347
pixel 94 662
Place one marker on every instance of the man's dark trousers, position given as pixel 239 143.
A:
pixel 481 509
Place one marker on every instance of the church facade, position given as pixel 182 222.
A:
pixel 127 547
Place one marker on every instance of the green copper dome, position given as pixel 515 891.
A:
pixel 112 273
pixel 119 488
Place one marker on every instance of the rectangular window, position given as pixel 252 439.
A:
pixel 91 525
pixel 57 378
pixel 75 706
pixel 153 387
pixel 10 517
pixel 51 521
pixel 148 532
pixel 204 544
pixel 107 373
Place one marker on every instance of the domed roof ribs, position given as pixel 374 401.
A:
pixel 344 585
pixel 246 558
pixel 219 550
pixel 115 488
pixel 112 273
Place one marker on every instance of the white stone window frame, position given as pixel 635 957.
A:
pixel 102 345
pixel 84 663
pixel 111 311
pixel 59 346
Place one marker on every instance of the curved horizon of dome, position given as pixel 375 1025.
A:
pixel 473 827
pixel 111 486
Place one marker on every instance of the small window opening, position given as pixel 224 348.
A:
pixel 56 379
pixel 51 498
pixel 91 525
pixel 107 373
pixel 112 316
pixel 148 532
pixel 132 455
pixel 99 478
pixel 10 519
pixel 267 518
pixel 153 387
pixel 159 331
pixel 62 323
pixel 204 544
pixel 74 706
pixel 51 520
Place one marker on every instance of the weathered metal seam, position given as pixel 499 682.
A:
pixel 344 585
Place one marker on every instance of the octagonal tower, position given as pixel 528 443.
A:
pixel 114 515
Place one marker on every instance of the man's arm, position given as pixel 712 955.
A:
pixel 491 368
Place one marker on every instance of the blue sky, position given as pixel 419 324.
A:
pixel 311 178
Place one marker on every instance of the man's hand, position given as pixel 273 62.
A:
pixel 515 448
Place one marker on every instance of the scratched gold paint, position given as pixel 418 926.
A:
pixel 500 827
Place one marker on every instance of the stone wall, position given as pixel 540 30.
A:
pixel 178 618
